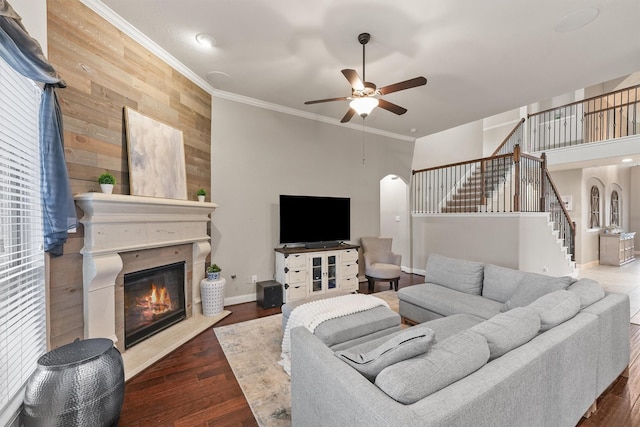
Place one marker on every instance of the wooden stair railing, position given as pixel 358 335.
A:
pixel 515 182
pixel 611 115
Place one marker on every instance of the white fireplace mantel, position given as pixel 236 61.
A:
pixel 115 223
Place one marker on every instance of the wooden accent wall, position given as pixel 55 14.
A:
pixel 105 71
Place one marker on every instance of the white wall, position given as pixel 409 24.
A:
pixel 34 18
pixel 450 146
pixel 634 204
pixel 258 154
pixel 520 241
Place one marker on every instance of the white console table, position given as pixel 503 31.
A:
pixel 306 272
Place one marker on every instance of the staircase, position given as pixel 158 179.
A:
pixel 509 181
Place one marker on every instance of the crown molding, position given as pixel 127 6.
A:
pixel 123 25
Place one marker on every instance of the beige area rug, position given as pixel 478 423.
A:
pixel 253 351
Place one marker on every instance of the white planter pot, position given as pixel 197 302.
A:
pixel 201 198
pixel 213 276
pixel 106 188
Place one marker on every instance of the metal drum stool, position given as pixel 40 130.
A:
pixel 78 384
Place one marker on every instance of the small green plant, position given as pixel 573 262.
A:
pixel 201 192
pixel 213 268
pixel 107 178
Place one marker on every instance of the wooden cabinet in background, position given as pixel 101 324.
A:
pixel 617 249
pixel 306 272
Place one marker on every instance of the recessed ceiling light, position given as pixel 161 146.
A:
pixel 206 40
pixel 218 78
pixel 577 19
pixel 627 160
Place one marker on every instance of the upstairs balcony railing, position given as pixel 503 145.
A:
pixel 612 115
pixel 513 182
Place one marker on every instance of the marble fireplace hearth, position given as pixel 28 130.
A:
pixel 125 233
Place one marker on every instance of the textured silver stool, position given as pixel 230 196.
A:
pixel 78 384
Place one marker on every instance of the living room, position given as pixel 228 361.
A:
pixel 244 165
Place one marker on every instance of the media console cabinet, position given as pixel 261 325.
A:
pixel 307 272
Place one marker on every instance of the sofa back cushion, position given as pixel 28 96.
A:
pixel 460 275
pixel 445 363
pixel 509 330
pixel 532 286
pixel 404 345
pixel 589 291
pixel 555 308
pixel 500 283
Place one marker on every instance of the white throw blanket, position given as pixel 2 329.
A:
pixel 313 313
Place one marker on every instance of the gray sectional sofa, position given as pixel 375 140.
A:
pixel 491 347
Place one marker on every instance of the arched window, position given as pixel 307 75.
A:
pixel 615 209
pixel 594 220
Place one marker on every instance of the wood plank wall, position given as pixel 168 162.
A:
pixel 105 71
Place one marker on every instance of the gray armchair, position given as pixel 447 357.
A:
pixel 380 264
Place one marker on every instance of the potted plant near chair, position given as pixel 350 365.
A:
pixel 201 194
pixel 107 181
pixel 213 272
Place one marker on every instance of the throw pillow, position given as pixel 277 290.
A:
pixel 407 344
pixel 555 308
pixel 457 274
pixel 533 286
pixel 589 291
pixel 509 330
pixel 448 361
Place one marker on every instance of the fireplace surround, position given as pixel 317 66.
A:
pixel 124 233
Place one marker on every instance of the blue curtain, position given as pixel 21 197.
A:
pixel 25 55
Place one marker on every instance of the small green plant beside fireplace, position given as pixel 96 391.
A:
pixel 213 272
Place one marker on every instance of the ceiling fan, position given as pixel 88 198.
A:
pixel 365 96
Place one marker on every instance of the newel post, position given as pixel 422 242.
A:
pixel 516 162
pixel 543 182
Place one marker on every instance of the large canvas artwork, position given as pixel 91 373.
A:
pixel 156 158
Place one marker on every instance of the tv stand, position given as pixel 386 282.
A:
pixel 304 272
pixel 321 245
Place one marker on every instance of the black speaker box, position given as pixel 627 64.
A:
pixel 269 294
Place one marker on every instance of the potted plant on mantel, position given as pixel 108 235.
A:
pixel 107 181
pixel 201 194
pixel 213 272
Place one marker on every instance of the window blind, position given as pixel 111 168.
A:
pixel 22 287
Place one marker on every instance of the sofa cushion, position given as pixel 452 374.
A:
pixel 461 275
pixel 533 286
pixel 404 345
pixel 445 301
pixel 346 328
pixel 509 330
pixel 589 291
pixel 555 308
pixel 500 283
pixel 445 363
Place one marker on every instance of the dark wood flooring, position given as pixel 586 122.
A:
pixel 194 386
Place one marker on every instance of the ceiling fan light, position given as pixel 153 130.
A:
pixel 364 106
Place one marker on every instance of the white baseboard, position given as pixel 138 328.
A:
pixel 240 299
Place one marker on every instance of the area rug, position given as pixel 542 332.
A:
pixel 252 349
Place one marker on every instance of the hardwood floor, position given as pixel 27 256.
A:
pixel 194 385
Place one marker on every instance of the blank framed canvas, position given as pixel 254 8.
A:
pixel 156 157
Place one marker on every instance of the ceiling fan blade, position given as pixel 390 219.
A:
pixel 391 107
pixel 348 116
pixel 342 98
pixel 407 84
pixel 354 79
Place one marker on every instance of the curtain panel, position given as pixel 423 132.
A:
pixel 24 54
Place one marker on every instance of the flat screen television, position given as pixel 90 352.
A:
pixel 314 220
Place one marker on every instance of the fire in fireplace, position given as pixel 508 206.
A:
pixel 153 301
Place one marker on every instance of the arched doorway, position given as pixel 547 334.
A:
pixel 394 215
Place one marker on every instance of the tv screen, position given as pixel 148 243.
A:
pixel 305 219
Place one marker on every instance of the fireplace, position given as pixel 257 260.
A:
pixel 154 299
